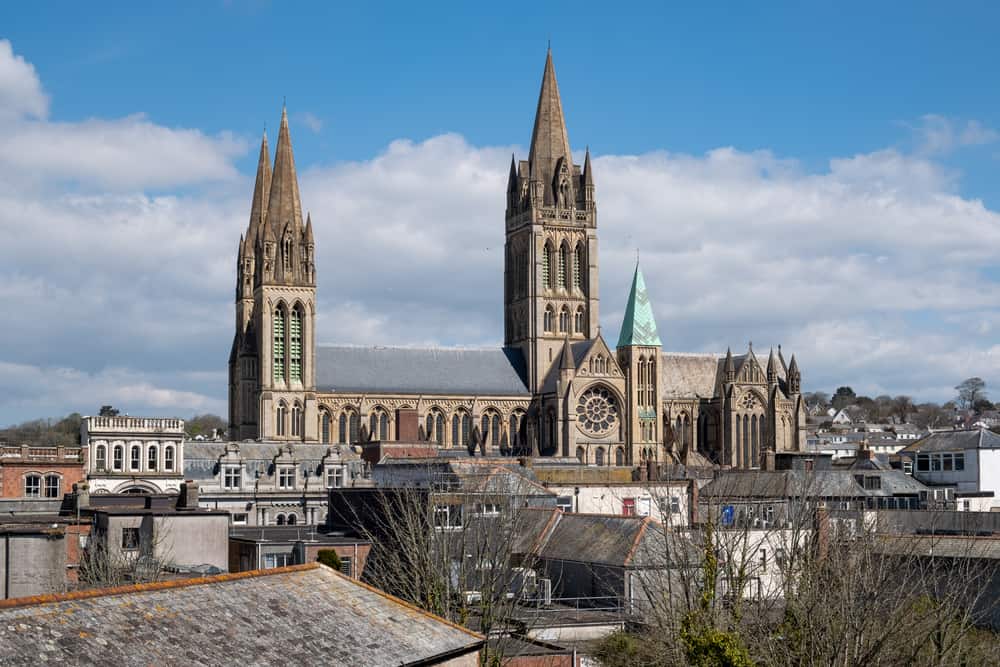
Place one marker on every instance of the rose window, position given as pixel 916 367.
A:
pixel 748 402
pixel 596 412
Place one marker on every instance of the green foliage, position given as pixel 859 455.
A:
pixel 619 649
pixel 45 432
pixel 708 646
pixel 204 425
pixel 329 558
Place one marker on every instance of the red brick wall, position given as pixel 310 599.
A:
pixel 12 474
pixel 347 550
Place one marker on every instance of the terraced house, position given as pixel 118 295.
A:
pixel 555 386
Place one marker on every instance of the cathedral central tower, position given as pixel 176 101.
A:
pixel 550 251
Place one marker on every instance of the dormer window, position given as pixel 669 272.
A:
pixel 286 477
pixel 334 477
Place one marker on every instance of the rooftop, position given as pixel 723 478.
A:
pixel 290 615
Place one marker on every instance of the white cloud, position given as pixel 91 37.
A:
pixel 938 135
pixel 21 91
pixel 310 120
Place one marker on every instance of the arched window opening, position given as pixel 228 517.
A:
pixel 295 345
pixel 296 419
pixel 342 428
pixel 278 352
pixel 466 429
pixel 152 458
pixel 280 520
pixel 383 426
pixel 547 319
pixel 355 423
pixel 281 416
pixel 578 268
pixel 739 440
pixel 293 519
pixel 546 266
pixel 551 431
pixel 52 486
pixel 168 458
pixel 286 253
pixel 619 457
pixel 33 486
pixel 599 456
pixel 754 451
pixel 135 458
pixel 581 454
pixel 439 429
pixel 495 431
pixel 456 425
pixel 119 457
pixel 101 457
pixel 514 429
pixel 746 441
pixel 563 261
pixel 578 326
pixel 564 320
pixel 324 426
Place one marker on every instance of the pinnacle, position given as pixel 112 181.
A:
pixel 284 206
pixel 639 324
pixel 261 188
pixel 549 139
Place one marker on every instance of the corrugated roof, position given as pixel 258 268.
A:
pixel 295 616
pixel 406 370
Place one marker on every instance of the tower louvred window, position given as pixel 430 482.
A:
pixel 563 257
pixel 546 267
pixel 578 268
pixel 279 345
pixel 295 345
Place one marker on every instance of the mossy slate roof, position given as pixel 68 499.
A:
pixel 299 615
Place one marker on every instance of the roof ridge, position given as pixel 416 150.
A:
pixel 453 348
pixel 150 587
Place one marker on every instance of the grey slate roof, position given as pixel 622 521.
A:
pixel 300 615
pixel 799 483
pixel 406 370
pixel 951 441
pixel 201 458
pixel 690 375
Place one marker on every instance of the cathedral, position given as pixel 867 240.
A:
pixel 555 387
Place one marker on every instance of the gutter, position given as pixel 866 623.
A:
pixel 447 655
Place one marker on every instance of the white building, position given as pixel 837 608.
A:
pixel 665 501
pixel 967 461
pixel 133 454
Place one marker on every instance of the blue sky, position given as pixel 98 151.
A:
pixel 850 150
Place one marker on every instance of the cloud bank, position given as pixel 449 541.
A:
pixel 118 262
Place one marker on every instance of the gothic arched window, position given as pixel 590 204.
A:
pixel 439 428
pixel 324 426
pixel 152 457
pixel 119 458
pixel 278 351
pixel 101 458
pixel 466 428
pixel 599 456
pixel 547 266
pixel 563 261
pixel 286 253
pixel 295 345
pixel 168 458
pixel 755 443
pixel 296 419
pixel 547 319
pixel 581 454
pixel 383 426
pixel 456 425
pixel 355 426
pixel 281 416
pixel 619 456
pixel 342 428
pixel 135 458
pixel 564 320
pixel 578 267
pixel 495 430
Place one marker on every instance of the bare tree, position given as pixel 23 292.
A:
pixel 970 391
pixel 143 557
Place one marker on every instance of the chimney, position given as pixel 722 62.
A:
pixel 407 425
pixel 82 491
pixel 822 533
pixel 188 497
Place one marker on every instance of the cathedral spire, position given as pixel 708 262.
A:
pixel 730 367
pixel 284 206
pixel 309 228
pixel 549 139
pixel 566 358
pixel 588 176
pixel 772 368
pixel 639 325
pixel 261 190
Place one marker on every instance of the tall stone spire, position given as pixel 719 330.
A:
pixel 283 204
pixel 772 368
pixel 639 325
pixel 261 191
pixel 549 139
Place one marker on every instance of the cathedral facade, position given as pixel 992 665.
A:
pixel 555 387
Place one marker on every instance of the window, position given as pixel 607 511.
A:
pixel 119 461
pixel 355 427
pixel 342 428
pixel 768 513
pixel 280 416
pixel 280 520
pixel 946 461
pixel 334 477
pixel 873 483
pixel 152 458
pixel 277 560
pixel 675 504
pixel 565 503
pixel 168 458
pixel 447 517
pixel 279 345
pixel 546 266
pixel 578 326
pixel 295 345
pixel 763 559
pixel 324 426
pixel 581 454
pixel 564 320
pixel 936 463
pixel 923 462
pixel 628 506
pixel 130 539
pixel 296 419
pixel 293 519
pixel 619 456
pixel 563 260
pixel 135 458
pixel 231 477
pixel 286 477
pixel 346 566
pixel 239 519
pixel 578 268
pixel 52 486
pixel 960 461
pixel 33 486
pixel 488 509
pixel 779 558
pixel 547 319
pixel 599 456
pixel 101 457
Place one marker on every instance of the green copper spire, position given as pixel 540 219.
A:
pixel 639 325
